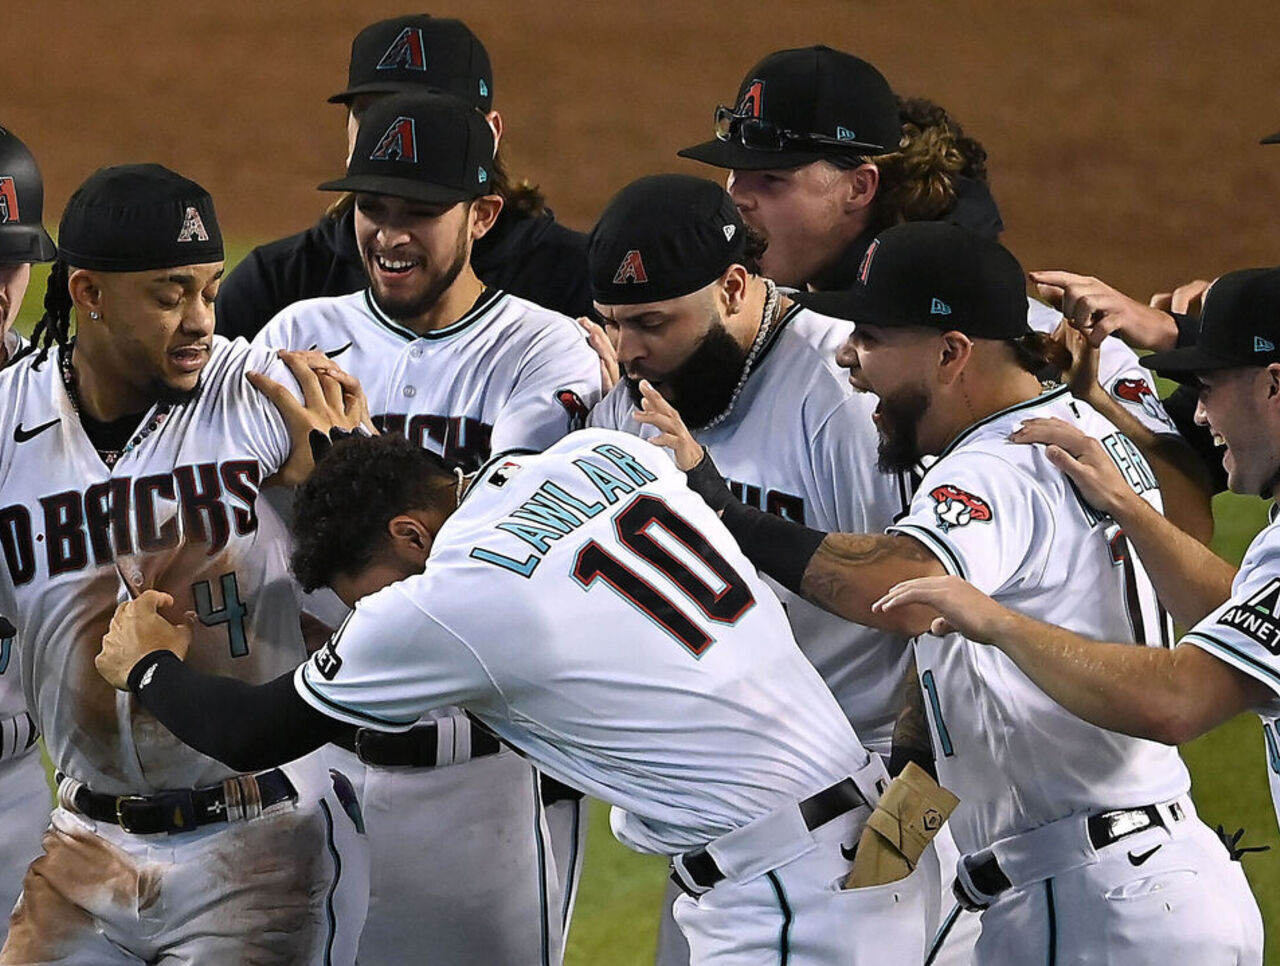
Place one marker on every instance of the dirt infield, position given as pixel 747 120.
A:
pixel 1123 140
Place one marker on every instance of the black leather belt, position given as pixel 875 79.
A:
pixel 816 810
pixel 988 880
pixel 184 809
pixel 418 747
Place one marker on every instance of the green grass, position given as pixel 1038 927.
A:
pixel 617 911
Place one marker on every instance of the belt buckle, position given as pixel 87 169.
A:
pixel 121 801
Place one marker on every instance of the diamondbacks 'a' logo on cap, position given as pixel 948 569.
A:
pixel 193 226
pixel 865 268
pixel 407 52
pixel 398 143
pixel 8 200
pixel 631 269
pixel 752 101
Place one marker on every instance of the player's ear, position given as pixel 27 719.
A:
pixel 85 292
pixel 956 350
pixel 495 125
pixel 733 288
pixel 411 538
pixel 484 212
pixel 861 184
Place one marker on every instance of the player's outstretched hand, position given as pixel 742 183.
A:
pixel 330 399
pixel 672 433
pixel 961 607
pixel 1083 459
pixel 1098 310
pixel 599 340
pixel 136 630
pixel 1186 299
pixel 1082 378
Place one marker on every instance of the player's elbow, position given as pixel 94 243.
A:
pixel 1171 722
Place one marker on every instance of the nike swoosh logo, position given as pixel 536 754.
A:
pixel 334 353
pixel 848 851
pixel 21 435
pixel 1143 856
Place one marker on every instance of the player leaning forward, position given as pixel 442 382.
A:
pixel 632 652
pixel 131 458
pixel 1058 817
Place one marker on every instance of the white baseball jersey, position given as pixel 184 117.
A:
pixel 594 613
pixel 1245 632
pixel 507 375
pixel 801 443
pixel 12 701
pixel 1119 373
pixel 178 512
pixel 1002 517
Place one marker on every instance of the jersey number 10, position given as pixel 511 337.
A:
pixel 634 525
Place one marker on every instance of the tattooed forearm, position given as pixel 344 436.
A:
pixel 850 571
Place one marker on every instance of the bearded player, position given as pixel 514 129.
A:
pixel 462 370
pixel 131 457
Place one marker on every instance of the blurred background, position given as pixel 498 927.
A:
pixel 1123 140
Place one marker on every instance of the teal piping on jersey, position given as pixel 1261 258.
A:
pixel 364 716
pixel 333 885
pixel 941 549
pixel 784 937
pixel 1025 404
pixel 1233 655
pixel 544 905
pixel 772 339
pixel 943 932
pixel 571 878
pixel 488 299
pixel 484 468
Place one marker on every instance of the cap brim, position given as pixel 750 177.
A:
pixel 1271 139
pixel 1183 364
pixel 26 243
pixel 386 87
pixel 851 307
pixel 400 188
pixel 735 155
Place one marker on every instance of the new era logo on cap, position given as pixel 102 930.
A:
pixel 729 232
pixel 1263 345
pixel 407 52
pixel 482 175
pixel 8 200
pixel 398 143
pixel 193 227
pixel 631 269
pixel 939 307
pixel 844 134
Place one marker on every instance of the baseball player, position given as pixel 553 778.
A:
pixel 1062 822
pixel 464 371
pixel 131 458
pixel 24 792
pixel 1227 662
pixel 526 253
pixel 675 277
pixel 591 611
pixel 822 156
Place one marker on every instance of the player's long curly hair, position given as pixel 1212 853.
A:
pixel 918 181
pixel 340 514
pixel 54 327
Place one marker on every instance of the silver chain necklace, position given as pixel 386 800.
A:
pixel 767 318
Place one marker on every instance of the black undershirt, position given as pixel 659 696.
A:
pixel 112 436
pixel 247 727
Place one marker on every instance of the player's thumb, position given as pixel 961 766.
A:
pixel 941 627
pixel 266 385
pixel 153 600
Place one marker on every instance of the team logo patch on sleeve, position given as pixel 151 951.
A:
pixel 631 269
pixel 1256 617
pixel 574 406
pixel 8 200
pixel 1139 391
pixel 955 507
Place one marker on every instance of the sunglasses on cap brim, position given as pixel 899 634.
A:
pixel 760 135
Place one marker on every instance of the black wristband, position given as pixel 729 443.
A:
pixel 145 664
pixel 706 481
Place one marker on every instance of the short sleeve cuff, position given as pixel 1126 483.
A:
pixel 936 545
pixel 314 695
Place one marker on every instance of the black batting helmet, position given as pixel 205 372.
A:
pixel 22 234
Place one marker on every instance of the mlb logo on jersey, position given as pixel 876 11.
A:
pixel 1257 618
pixel 503 472
pixel 8 200
pixel 954 507
pixel 398 143
pixel 631 269
pixel 407 52
pixel 193 227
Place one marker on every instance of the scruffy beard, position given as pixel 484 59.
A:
pixel 408 309
pixel 700 387
pixel 900 416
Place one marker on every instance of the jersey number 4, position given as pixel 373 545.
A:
pixel 232 612
pixel 655 533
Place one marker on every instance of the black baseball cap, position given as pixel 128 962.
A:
pixel 22 234
pixel 424 147
pixel 139 217
pixel 804 105
pixel 1239 326
pixel 1271 139
pixel 416 52
pixel 933 274
pixel 662 237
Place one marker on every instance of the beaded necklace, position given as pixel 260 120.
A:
pixel 108 456
pixel 767 318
